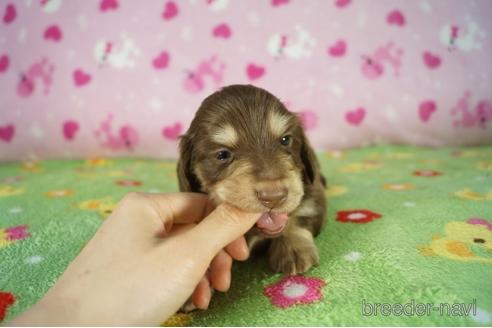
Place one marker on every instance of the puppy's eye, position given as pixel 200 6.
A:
pixel 286 140
pixel 223 155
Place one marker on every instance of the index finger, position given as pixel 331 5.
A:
pixel 182 207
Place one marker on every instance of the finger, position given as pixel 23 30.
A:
pixel 220 271
pixel 224 225
pixel 180 228
pixel 238 249
pixel 201 296
pixel 173 208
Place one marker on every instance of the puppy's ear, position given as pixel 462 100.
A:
pixel 186 178
pixel 311 166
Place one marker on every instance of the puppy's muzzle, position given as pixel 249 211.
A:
pixel 272 197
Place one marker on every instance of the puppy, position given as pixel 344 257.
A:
pixel 246 149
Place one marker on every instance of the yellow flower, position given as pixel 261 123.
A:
pixel 361 167
pixel 486 165
pixel 98 162
pixel 166 165
pixel 390 156
pixel 59 193
pixel 83 171
pixel 116 173
pixel 430 161
pixel 177 320
pixel 482 153
pixel 3 239
pixel 335 190
pixel 467 193
pixel 104 207
pixel 471 153
pixel 398 186
pixel 6 190
pixel 335 154
pixel 91 204
pixel 31 166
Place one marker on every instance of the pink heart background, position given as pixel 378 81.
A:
pixel 7 132
pixel 426 109
pixel 356 116
pixel 338 49
pixel 161 61
pixel 53 32
pixel 342 3
pixel 170 10
pixel 279 2
pixel 309 119
pixel 10 14
pixel 356 72
pixel 431 61
pixel 4 63
pixel 81 78
pixel 222 31
pixel 106 5
pixel 254 71
pixel 396 17
pixel 70 128
pixel 172 132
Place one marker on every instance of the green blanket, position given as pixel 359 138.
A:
pixel 408 240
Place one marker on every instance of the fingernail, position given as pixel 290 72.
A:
pixel 205 301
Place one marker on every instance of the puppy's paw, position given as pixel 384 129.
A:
pixel 294 253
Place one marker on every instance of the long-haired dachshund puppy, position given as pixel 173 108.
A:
pixel 246 149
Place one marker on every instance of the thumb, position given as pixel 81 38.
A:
pixel 221 227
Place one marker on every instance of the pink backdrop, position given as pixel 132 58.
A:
pixel 120 77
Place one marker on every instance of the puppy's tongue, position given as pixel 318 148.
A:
pixel 272 221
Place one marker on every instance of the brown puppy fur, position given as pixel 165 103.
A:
pixel 245 148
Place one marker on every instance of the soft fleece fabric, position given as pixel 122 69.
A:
pixel 404 225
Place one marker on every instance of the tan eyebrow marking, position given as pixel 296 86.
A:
pixel 225 135
pixel 278 123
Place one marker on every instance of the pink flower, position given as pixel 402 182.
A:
pixel 426 173
pixel 292 290
pixel 17 232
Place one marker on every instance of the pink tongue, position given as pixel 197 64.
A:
pixel 272 221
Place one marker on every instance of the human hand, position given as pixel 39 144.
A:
pixel 145 261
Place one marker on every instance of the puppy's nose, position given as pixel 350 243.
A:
pixel 271 197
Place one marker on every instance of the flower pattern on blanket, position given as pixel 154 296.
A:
pixel 485 165
pixel 468 193
pixel 6 300
pixel 6 190
pixel 463 241
pixel 104 207
pixel 360 167
pixel 362 206
pixel 357 216
pixel 292 290
pixel 31 167
pixel 59 193
pixel 426 173
pixel 398 186
pixel 13 234
pixel 335 190
pixel 178 320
